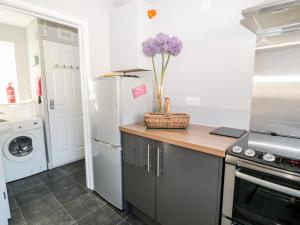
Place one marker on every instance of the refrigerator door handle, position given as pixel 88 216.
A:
pixel 106 144
pixel 95 139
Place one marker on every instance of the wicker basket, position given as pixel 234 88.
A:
pixel 167 120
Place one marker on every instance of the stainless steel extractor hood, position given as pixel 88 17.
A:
pixel 273 16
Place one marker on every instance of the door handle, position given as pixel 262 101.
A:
pixel 148 159
pixel 158 169
pixel 267 184
pixel 52 105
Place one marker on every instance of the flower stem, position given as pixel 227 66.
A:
pixel 154 70
pixel 164 68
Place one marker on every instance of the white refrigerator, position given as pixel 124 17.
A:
pixel 115 101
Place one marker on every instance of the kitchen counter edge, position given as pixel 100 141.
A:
pixel 195 137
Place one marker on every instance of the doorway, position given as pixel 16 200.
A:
pixel 83 48
pixel 41 67
pixel 69 123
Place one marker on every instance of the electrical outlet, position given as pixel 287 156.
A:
pixel 193 100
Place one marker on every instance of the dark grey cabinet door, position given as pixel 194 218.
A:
pixel 188 187
pixel 139 174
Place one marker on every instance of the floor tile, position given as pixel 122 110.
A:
pixel 9 192
pixel 23 184
pixel 82 206
pixel 54 217
pixel 102 200
pixel 16 218
pixel 123 222
pixel 102 216
pixel 59 184
pixel 118 211
pixel 79 176
pixel 12 202
pixel 58 197
pixel 32 194
pixel 74 167
pixel 70 193
pixel 39 207
pixel 133 220
pixel 51 176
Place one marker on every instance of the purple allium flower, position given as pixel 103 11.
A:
pixel 174 46
pixel 162 43
pixel 150 48
pixel 165 45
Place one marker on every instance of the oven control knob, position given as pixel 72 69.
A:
pixel 237 149
pixel 249 152
pixel 269 157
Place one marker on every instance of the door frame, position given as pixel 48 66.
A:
pixel 83 39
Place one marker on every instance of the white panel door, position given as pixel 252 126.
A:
pixel 64 102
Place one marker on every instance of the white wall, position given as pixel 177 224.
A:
pixel 95 12
pixel 17 35
pixel 216 63
pixel 33 50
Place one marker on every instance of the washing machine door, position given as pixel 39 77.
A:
pixel 20 147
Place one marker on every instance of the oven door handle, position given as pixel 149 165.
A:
pixel 267 184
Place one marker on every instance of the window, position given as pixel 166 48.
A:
pixel 8 70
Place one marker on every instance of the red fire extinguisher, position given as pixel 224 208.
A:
pixel 39 89
pixel 11 97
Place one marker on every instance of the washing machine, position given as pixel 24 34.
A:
pixel 22 146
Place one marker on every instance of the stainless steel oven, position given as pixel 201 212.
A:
pixel 256 194
pixel 262 171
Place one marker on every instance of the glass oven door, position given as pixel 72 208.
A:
pixel 263 199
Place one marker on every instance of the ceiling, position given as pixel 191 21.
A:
pixel 117 3
pixel 14 18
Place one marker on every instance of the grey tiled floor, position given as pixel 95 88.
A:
pixel 59 197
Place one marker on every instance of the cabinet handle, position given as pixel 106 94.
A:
pixel 148 158
pixel 4 195
pixel 158 163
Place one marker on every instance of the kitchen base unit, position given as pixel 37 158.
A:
pixel 171 185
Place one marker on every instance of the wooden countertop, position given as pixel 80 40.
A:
pixel 195 137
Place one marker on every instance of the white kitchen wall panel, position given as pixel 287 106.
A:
pixel 129 27
pixel 216 63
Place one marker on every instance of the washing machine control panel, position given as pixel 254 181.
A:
pixel 20 125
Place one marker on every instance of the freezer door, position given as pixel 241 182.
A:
pixel 107 165
pixel 134 106
pixel 105 110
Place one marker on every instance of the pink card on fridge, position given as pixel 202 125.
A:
pixel 139 91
